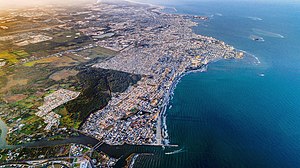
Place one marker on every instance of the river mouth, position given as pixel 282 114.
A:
pixel 3 134
pixel 120 152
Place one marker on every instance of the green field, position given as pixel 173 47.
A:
pixel 13 57
pixel 99 52
pixel 9 57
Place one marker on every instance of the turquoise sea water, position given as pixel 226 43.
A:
pixel 239 113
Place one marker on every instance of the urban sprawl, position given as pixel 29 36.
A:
pixel 159 47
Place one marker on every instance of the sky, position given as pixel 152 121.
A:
pixel 26 3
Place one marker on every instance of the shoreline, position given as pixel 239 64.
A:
pixel 163 137
pixel 167 66
pixel 168 85
pixel 169 96
pixel 133 157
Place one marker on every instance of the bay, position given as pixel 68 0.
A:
pixel 240 113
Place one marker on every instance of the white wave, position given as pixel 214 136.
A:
pixel 256 58
pixel 218 14
pixel 166 133
pixel 255 18
pixel 166 141
pixel 133 160
pixel 203 69
pixel 256 38
pixel 257 61
pixel 267 33
pixel 175 152
pixel 164 121
pixel 172 8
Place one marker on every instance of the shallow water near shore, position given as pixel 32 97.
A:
pixel 240 113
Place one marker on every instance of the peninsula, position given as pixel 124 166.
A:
pixel 103 70
pixel 160 47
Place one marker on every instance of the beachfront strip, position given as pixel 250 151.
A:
pixel 159 46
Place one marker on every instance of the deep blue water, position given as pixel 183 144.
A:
pixel 239 113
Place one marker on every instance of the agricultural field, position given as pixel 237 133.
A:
pixel 13 57
pixel 24 84
pixel 43 52
pixel 97 52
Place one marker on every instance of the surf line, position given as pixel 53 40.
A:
pixel 176 151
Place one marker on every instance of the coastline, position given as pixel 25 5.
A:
pixel 133 157
pixel 237 113
pixel 163 137
pixel 201 68
pixel 168 97
pixel 184 68
pixel 177 52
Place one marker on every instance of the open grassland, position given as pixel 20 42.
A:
pixel 42 61
pixel 2 73
pixel 55 61
pixel 66 119
pixel 24 25
pixel 98 52
pixel 57 45
pixel 63 74
pixel 14 98
pixel 21 53
pixel 13 82
pixel 13 57
pixel 9 57
pixel 65 36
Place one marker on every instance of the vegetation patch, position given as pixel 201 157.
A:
pixel 21 53
pixel 13 82
pixel 41 61
pixel 97 52
pixel 15 98
pixel 63 74
pixel 97 86
pixel 9 57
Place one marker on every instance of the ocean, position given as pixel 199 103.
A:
pixel 239 113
